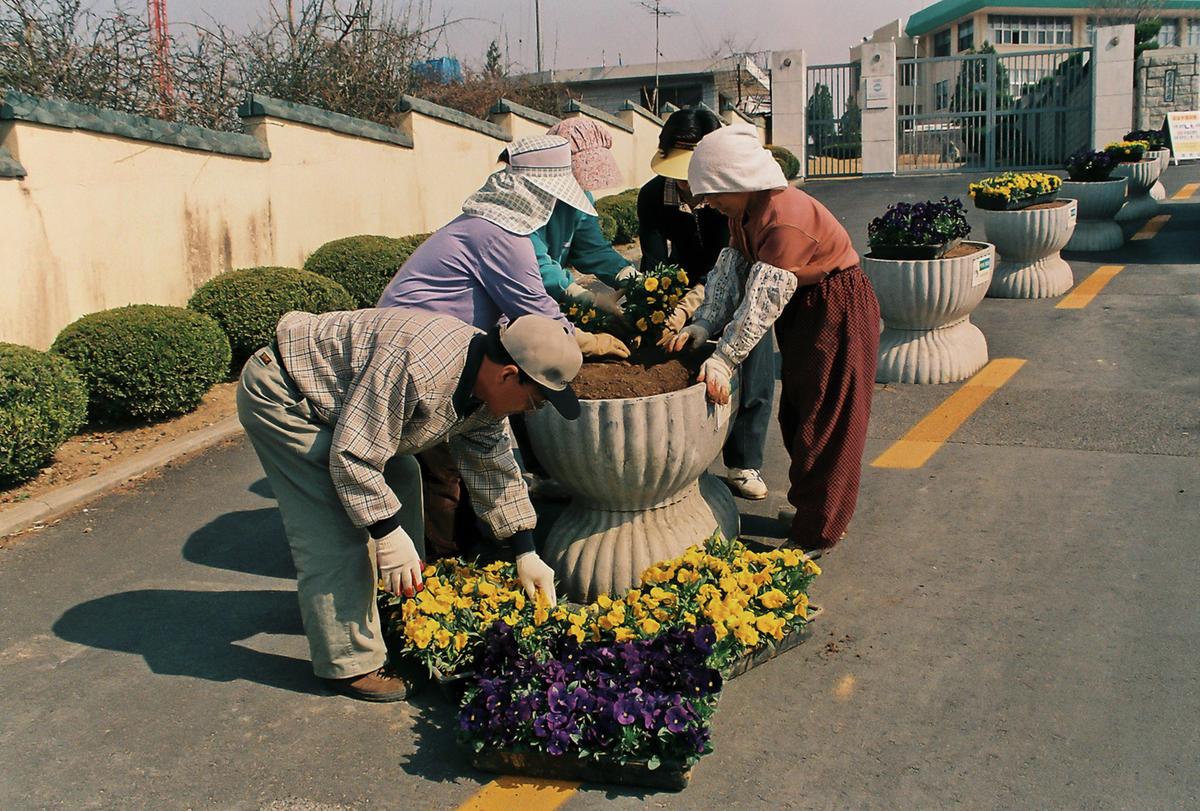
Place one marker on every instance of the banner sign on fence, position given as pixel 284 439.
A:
pixel 1185 134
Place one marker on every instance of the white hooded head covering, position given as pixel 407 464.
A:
pixel 731 159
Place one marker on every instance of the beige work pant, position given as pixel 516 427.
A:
pixel 335 561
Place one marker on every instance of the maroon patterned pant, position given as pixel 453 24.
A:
pixel 828 338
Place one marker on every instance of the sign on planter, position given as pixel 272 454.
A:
pixel 1185 134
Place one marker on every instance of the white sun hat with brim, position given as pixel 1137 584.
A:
pixel 521 196
pixel 732 159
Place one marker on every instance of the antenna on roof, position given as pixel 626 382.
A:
pixel 655 8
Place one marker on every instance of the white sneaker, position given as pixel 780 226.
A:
pixel 747 484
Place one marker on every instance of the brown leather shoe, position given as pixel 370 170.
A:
pixel 379 685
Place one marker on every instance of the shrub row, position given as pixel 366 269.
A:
pixel 787 161
pixel 619 217
pixel 147 362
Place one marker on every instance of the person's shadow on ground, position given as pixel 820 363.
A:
pixel 250 541
pixel 195 633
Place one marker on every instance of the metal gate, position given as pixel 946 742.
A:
pixel 834 121
pixel 990 111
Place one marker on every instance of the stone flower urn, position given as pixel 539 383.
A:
pixel 1158 191
pixel 1099 202
pixel 926 305
pixel 636 471
pixel 1027 243
pixel 1142 175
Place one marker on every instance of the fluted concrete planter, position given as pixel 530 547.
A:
pixel 926 305
pixel 1028 241
pixel 1095 229
pixel 1139 205
pixel 1158 191
pixel 636 469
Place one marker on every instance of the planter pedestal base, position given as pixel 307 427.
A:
pixel 943 355
pixel 1138 209
pixel 1043 278
pixel 598 551
pixel 1096 235
pixel 1158 191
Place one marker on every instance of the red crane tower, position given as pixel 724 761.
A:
pixel 162 55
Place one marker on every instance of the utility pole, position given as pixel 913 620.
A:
pixel 655 8
pixel 537 26
pixel 162 55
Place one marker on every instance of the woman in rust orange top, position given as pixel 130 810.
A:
pixel 790 264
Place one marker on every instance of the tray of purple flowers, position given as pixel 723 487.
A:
pixel 633 713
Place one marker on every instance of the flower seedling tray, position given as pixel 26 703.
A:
pixel 752 659
pixel 453 686
pixel 673 777
pixel 998 203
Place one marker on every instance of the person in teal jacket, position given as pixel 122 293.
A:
pixel 572 239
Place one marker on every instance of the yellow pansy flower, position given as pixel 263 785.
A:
pixel 649 626
pixel 651 284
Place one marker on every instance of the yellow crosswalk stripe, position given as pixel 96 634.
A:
pixel 1085 291
pixel 1152 227
pixel 925 438
pixel 521 794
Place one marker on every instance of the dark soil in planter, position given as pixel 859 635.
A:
pixel 962 249
pixel 1051 204
pixel 643 375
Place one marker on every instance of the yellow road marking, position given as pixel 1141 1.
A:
pixel 520 794
pixel 1086 290
pixel 1152 227
pixel 925 438
pixel 1185 191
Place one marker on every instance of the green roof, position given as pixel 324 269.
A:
pixel 947 11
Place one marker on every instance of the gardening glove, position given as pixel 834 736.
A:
pixel 581 294
pixel 600 345
pixel 692 335
pixel 399 564
pixel 715 373
pixel 684 310
pixel 628 275
pixel 610 302
pixel 536 576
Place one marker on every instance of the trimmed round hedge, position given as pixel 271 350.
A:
pixel 787 161
pixel 248 303
pixel 145 361
pixel 42 402
pixel 363 264
pixel 622 210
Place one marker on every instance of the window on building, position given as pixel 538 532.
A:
pixel 1020 29
pixel 908 74
pixel 1168 35
pixel 1169 81
pixel 966 35
pixel 1023 80
pixel 942 94
pixel 941 43
pixel 1193 32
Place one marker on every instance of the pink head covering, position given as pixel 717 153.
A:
pixel 592 160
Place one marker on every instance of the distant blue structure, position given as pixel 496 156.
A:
pixel 443 70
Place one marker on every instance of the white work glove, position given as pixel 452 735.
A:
pixel 692 335
pixel 684 310
pixel 536 576
pixel 628 275
pixel 398 561
pixel 715 373
pixel 600 345
pixel 579 293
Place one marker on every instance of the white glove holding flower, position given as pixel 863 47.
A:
pixel 579 293
pixel 716 374
pixel 627 275
pixel 398 562
pixel 536 576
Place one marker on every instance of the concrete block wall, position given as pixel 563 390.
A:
pixel 1152 85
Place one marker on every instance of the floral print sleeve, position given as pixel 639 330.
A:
pixel 768 290
pixel 722 290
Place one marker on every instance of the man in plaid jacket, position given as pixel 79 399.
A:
pixel 336 409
